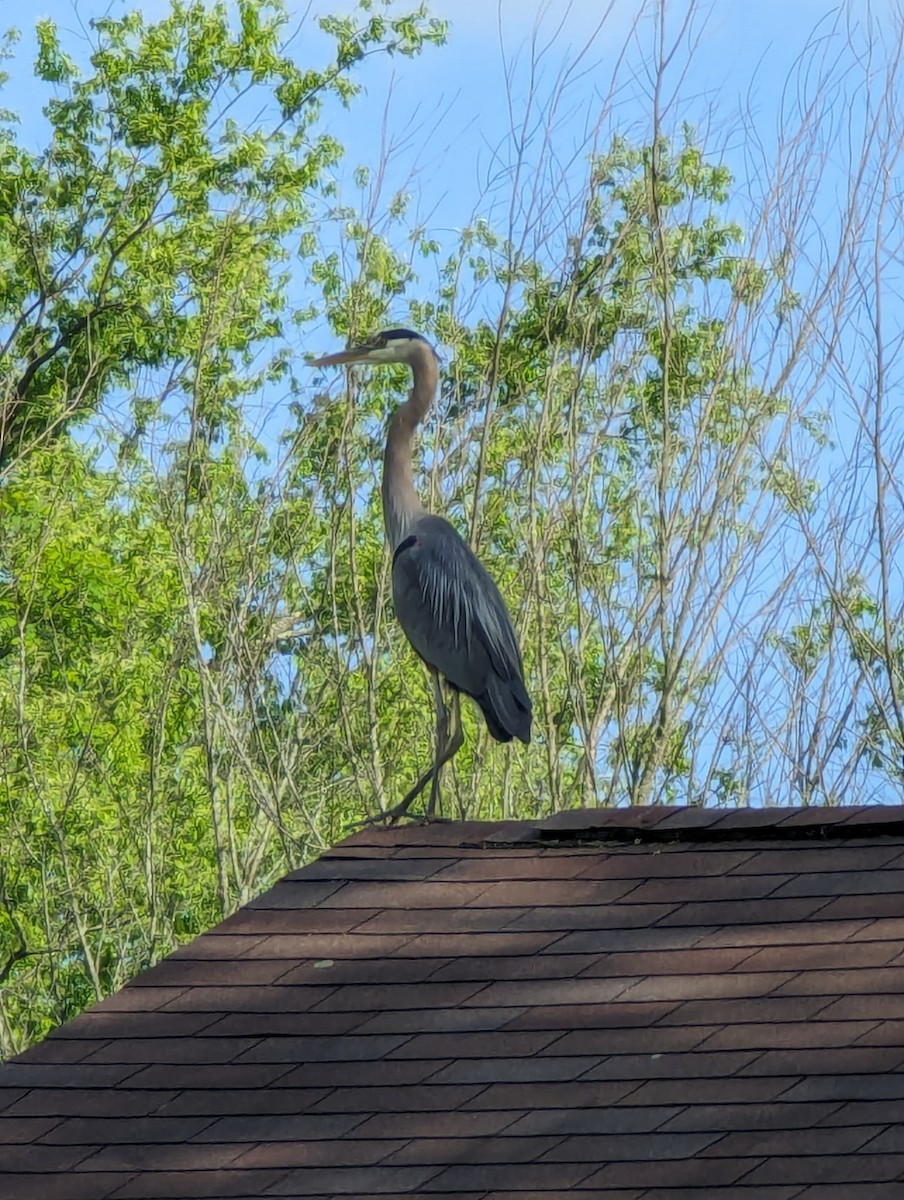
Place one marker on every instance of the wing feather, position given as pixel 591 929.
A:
pixel 456 620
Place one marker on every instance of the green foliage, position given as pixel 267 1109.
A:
pixel 158 767
pixel 201 680
pixel 89 615
pixel 158 219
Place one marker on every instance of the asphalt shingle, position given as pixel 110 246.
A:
pixel 626 1004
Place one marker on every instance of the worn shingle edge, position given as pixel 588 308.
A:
pixel 651 826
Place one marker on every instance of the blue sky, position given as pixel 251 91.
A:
pixel 451 110
pixel 458 113
pixel 541 71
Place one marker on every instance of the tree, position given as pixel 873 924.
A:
pixel 150 238
pixel 647 340
pixel 148 740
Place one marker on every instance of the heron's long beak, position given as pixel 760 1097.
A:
pixel 350 355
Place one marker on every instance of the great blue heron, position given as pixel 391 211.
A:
pixel 448 606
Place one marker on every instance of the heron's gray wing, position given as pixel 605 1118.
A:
pixel 456 620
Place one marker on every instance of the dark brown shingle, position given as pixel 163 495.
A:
pixel 650 1004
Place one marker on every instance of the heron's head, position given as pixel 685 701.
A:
pixel 388 346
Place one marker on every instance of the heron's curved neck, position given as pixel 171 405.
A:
pixel 401 505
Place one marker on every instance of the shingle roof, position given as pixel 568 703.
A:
pixel 624 1004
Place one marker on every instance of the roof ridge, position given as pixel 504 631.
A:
pixel 604 834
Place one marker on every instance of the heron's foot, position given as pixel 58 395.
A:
pixel 392 816
pixel 400 810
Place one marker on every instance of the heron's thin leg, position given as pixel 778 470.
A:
pixel 442 737
pixel 454 736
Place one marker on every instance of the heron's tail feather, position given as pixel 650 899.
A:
pixel 507 709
